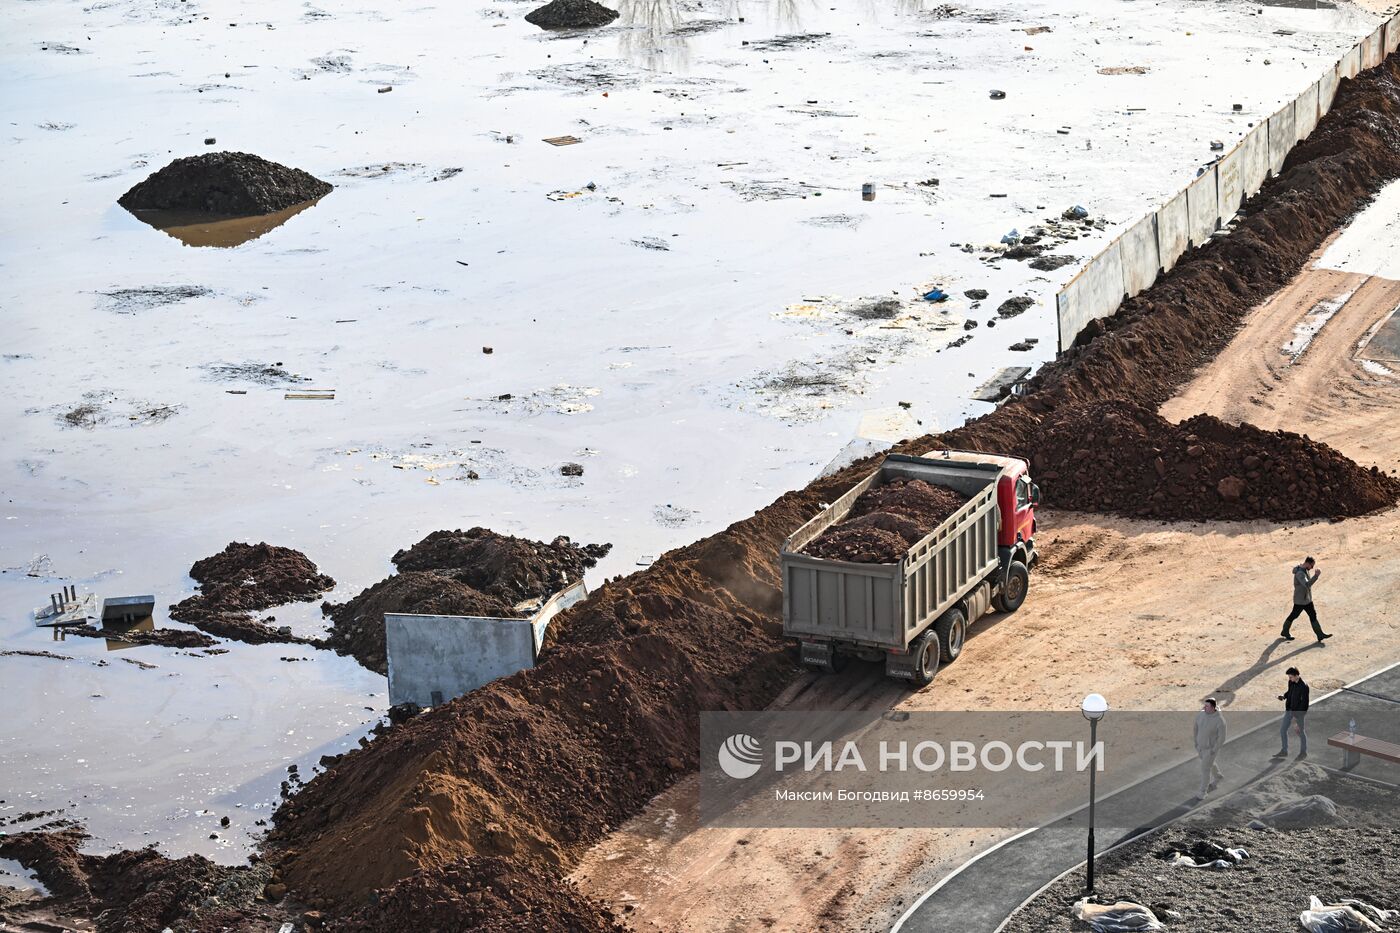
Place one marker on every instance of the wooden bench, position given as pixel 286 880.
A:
pixel 1354 746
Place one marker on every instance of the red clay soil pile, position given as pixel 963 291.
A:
pixel 1121 457
pixel 535 767
pixel 474 572
pixel 485 895
pixel 227 184
pixel 246 578
pixel 887 520
pixel 141 891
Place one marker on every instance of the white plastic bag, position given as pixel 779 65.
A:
pixel 1119 917
pixel 1335 918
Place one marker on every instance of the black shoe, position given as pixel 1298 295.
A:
pixel 1286 637
pixel 1302 756
pixel 1282 754
pixel 1323 637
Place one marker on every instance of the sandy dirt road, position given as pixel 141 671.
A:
pixel 1154 616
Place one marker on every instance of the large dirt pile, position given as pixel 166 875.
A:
pixel 473 572
pixel 887 520
pixel 246 578
pixel 1122 457
pixel 230 184
pixel 571 14
pixel 535 767
pixel 485 895
pixel 143 891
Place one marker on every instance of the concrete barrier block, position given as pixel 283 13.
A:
pixel 1140 257
pixel 1254 167
pixel 1283 135
pixel 1203 206
pixel 1229 174
pixel 1392 34
pixel 1305 113
pixel 1350 65
pixel 1173 230
pixel 435 658
pixel 1095 293
pixel 1327 89
pixel 1373 49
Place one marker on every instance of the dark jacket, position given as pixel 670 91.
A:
pixel 1296 699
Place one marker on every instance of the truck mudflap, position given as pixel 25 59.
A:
pixel 819 655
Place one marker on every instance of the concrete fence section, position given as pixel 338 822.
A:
pixel 433 658
pixel 1173 230
pixel 1201 197
pixel 1305 113
pixel 1132 262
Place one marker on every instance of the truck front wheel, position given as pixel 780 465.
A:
pixel 952 629
pixel 925 651
pixel 1013 588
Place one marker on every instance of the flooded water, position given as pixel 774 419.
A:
pixel 680 302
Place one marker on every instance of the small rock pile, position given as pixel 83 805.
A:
pixel 571 14
pixel 227 184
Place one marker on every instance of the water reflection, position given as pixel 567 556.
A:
pixel 652 36
pixel 194 228
pixel 147 624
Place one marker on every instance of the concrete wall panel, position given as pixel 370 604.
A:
pixel 1392 34
pixel 1327 89
pixel 1138 247
pixel 1283 134
pixel 1173 230
pixel 1350 65
pixel 452 655
pixel 1254 169
pixel 1229 172
pixel 1305 113
pixel 1373 49
pixel 1203 206
pixel 1095 293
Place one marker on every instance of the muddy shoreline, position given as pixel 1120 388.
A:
pixel 609 717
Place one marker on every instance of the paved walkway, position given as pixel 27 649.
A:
pixel 979 896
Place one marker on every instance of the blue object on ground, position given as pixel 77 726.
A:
pixel 937 294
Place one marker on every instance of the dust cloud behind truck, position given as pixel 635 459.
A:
pixel 914 613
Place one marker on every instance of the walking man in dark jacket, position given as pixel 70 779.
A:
pixel 1295 708
pixel 1304 576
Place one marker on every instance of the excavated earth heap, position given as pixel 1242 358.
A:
pixel 887 520
pixel 474 572
pixel 227 184
pixel 246 578
pixel 571 14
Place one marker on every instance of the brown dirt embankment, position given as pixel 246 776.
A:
pixel 226 184
pixel 475 572
pixel 523 769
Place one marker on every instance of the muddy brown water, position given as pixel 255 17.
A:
pixel 195 228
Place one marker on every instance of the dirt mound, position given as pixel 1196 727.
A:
pixel 509 568
pixel 358 625
pixel 486 895
pixel 143 891
pixel 230 184
pixel 535 767
pixel 165 637
pixel 571 14
pixel 887 520
pixel 246 578
pixel 474 572
pixel 1121 457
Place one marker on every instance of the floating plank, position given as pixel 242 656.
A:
pixel 563 140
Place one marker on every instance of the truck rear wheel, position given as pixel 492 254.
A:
pixel 952 630
pixel 925 652
pixel 1013 589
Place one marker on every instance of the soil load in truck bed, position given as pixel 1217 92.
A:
pixel 888 520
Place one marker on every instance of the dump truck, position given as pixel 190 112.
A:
pixel 914 614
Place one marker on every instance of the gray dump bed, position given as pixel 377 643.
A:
pixel 887 605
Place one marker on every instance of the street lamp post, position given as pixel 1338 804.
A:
pixel 1094 707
